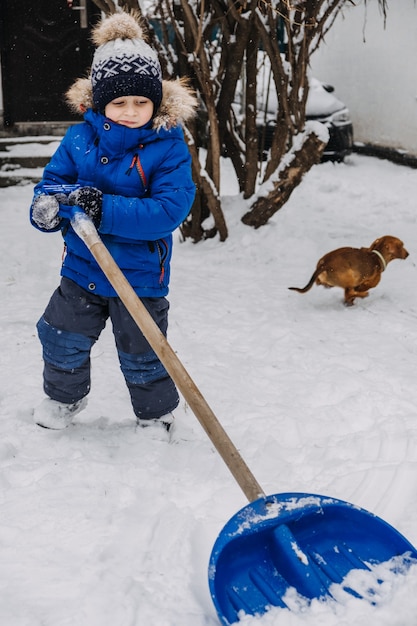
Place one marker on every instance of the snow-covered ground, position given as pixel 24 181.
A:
pixel 102 526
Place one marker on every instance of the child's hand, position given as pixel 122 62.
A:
pixel 45 211
pixel 90 200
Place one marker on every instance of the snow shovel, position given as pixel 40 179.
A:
pixel 275 544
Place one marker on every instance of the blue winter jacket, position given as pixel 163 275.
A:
pixel 145 177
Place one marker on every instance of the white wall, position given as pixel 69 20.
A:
pixel 374 71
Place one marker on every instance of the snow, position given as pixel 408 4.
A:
pixel 23 148
pixel 101 525
pixel 320 102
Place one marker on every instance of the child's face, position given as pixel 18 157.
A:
pixel 131 111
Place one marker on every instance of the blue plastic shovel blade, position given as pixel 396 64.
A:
pixel 295 540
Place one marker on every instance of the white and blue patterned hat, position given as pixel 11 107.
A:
pixel 124 64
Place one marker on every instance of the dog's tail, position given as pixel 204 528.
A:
pixel 309 284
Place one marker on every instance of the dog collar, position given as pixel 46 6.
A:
pixel 381 258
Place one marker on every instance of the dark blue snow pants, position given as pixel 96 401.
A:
pixel 72 323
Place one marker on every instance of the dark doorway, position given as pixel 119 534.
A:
pixel 45 46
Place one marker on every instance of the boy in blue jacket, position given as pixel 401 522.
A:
pixel 132 169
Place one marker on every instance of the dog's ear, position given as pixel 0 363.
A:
pixel 398 246
pixel 375 243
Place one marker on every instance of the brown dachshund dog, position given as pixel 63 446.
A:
pixel 356 270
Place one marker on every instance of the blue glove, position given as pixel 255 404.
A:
pixel 45 211
pixel 90 200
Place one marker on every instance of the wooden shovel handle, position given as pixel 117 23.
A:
pixel 218 436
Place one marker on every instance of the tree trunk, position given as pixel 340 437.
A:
pixel 251 132
pixel 207 201
pixel 289 177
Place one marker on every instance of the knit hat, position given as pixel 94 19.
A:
pixel 124 64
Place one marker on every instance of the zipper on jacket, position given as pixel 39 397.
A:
pixel 136 162
pixel 162 248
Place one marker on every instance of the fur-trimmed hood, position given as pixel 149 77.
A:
pixel 178 106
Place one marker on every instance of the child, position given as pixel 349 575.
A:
pixel 133 170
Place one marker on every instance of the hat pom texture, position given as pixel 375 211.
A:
pixel 124 64
pixel 118 26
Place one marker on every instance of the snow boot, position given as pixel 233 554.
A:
pixel 57 415
pixel 160 428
